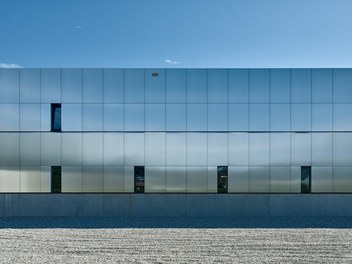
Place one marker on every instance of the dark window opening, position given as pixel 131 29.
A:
pixel 56 179
pixel 56 117
pixel 306 179
pixel 155 74
pixel 139 179
pixel 222 179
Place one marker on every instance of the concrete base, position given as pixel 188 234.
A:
pixel 176 205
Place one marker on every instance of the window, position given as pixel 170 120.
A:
pixel 139 179
pixel 222 179
pixel 56 179
pixel 306 179
pixel 55 117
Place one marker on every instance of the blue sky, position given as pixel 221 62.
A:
pixel 176 33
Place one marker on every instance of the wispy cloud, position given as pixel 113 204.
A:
pixel 9 65
pixel 172 62
pixel 78 27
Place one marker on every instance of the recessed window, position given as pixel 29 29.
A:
pixel 222 179
pixel 155 74
pixel 139 179
pixel 306 179
pixel 56 179
pixel 56 117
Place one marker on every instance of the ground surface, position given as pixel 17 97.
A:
pixel 111 240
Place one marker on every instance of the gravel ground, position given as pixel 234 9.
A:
pixel 121 240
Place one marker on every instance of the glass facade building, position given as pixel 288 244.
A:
pixel 176 130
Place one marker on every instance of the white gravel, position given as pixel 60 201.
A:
pixel 121 240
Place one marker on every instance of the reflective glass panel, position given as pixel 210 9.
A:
pixel 280 179
pixel 280 86
pixel 322 117
pixel 280 149
pixel 45 117
pixel 295 179
pixel 134 86
pixel 238 148
pixel 176 179
pixel 45 178
pixel 238 91
pixel 196 149
pixel 92 148
pixel 321 148
pixel 9 179
pixel 128 179
pixel 9 86
pixel 92 179
pixel 154 148
pixel 50 149
pixel 30 179
pixel 259 117
pixel 50 81
pixel 113 85
pixel 92 86
pixel 72 149
pixel 342 83
pixel 301 86
pixel 113 149
pixel 113 117
pixel 176 85
pixel 321 85
pixel 92 117
pixel 196 86
pixel 155 179
pixel 113 179
pixel 342 145
pixel 176 149
pixel 9 117
pixel 212 179
pixel 9 149
pixel 301 149
pixel 238 179
pixel 280 117
pixel 154 86
pixel 72 180
pixel 217 149
pixel 196 117
pixel 155 117
pixel 134 149
pixel 301 117
pixel 30 117
pixel 30 85
pixel 217 117
pixel 134 117
pixel 259 179
pixel 30 149
pixel 176 117
pixel 217 86
pixel 259 149
pixel 71 117
pixel 342 116
pixel 259 86
pixel 238 117
pixel 342 181
pixel 71 85
pixel 321 179
pixel 197 179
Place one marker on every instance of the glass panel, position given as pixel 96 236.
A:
pixel 9 117
pixel 9 149
pixel 295 179
pixel 92 178
pixel 342 83
pixel 280 179
pixel 155 179
pixel 217 149
pixel 176 179
pixel 9 86
pixel 154 86
pixel 342 116
pixel 301 86
pixel 280 117
pixel 113 117
pixel 92 86
pixel 134 117
pixel 30 148
pixel 92 117
pixel 238 91
pixel 197 117
pixel 301 149
pixel 259 179
pixel 45 178
pixel 176 149
pixel 128 179
pixel 134 86
pixel 238 148
pixel 238 117
pixel 321 179
pixel 342 144
pixel 154 148
pixel 113 149
pixel 155 117
pixel 197 179
pixel 212 179
pixel 322 117
pixel 306 179
pixel 139 182
pixel 113 85
pixel 50 81
pixel 217 86
pixel 176 117
pixel 50 149
pixel 72 149
pixel 30 85
pixel 30 117
pixel 196 149
pixel 222 172
pixel 196 86
pixel 134 148
pixel 322 86
pixel 176 86
pixel 71 179
pixel 55 118
pixel 30 179
pixel 342 180
pixel 217 117
pixel 259 149
pixel 71 117
pixel 280 149
pixel 301 117
pixel 321 148
pixel 113 179
pixel 45 117
pixel 92 148
pixel 238 179
pixel 71 85
pixel 9 179
pixel 259 117
pixel 56 179
pixel 259 86
pixel 280 86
